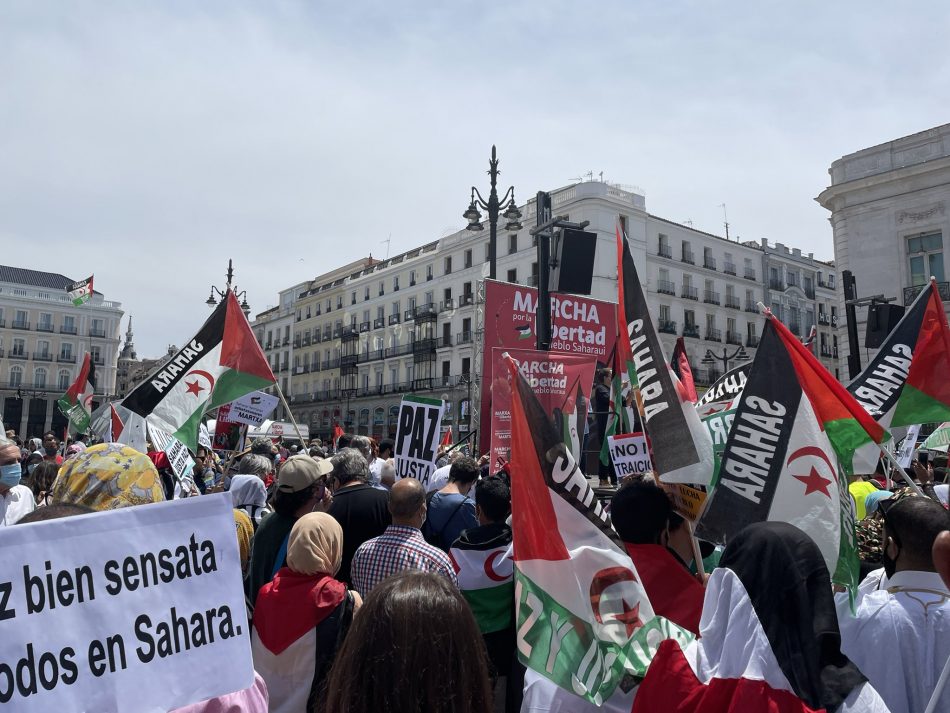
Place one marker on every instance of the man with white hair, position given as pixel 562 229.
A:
pixel 15 500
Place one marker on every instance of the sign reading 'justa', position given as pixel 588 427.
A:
pixel 417 437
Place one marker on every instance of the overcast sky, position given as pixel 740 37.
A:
pixel 149 142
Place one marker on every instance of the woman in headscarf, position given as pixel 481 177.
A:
pixel 249 494
pixel 108 476
pixel 302 616
pixel 41 482
pixel 769 638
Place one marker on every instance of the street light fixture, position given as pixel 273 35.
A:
pixel 739 354
pixel 242 295
pixel 492 206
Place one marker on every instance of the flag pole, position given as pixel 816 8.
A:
pixel 290 414
pixel 938 690
pixel 903 473
pixel 697 554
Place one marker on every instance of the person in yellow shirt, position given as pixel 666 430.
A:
pixel 860 488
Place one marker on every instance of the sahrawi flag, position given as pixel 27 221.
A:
pixel 794 427
pixel 908 381
pixel 80 292
pixel 76 403
pixel 621 363
pixel 582 616
pixel 484 570
pixel 681 446
pixel 222 363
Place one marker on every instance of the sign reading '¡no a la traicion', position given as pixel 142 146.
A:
pixel 417 437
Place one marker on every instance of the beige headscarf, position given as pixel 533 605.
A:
pixel 315 545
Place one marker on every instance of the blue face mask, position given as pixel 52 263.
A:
pixel 10 474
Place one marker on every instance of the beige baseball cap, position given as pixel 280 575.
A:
pixel 301 471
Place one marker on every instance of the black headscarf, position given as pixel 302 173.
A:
pixel 785 575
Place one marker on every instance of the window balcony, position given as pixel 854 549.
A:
pixel 379 322
pixel 688 257
pixel 733 338
pixel 749 274
pixel 97 333
pixel 666 287
pixel 364 327
pixel 463 338
pixel 665 251
pixel 20 324
pixel 45 327
pixel 691 330
pixel 447 305
pixel 732 302
pixel 690 293
pixel 466 300
pixel 910 293
pixel 752 341
pixel 777 285
pixel 394 318
pixel 710 297
pixel 425 313
pixel 42 356
pixel 713 334
pixel 66 358
pixel 826 351
pixel 709 263
pixel 751 306
pixel 17 354
pixel 667 326
pixel 729 268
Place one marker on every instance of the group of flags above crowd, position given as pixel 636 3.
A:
pixel 796 434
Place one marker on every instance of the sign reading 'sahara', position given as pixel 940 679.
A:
pixel 417 437
pixel 123 610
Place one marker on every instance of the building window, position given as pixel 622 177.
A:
pixel 468 258
pixel 382 289
pixel 353 297
pixel 663 249
pixel 395 283
pixel 16 376
pixel 19 347
pixel 447 265
pixel 339 301
pixel 623 224
pixel 63 382
pixel 412 278
pixel 513 275
pixel 925 253
pixel 39 378
pixel 512 244
pixel 428 272
pixel 466 365
pixel 365 294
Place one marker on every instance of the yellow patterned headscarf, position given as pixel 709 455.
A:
pixel 106 477
pixel 245 531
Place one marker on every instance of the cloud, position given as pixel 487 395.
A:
pixel 148 143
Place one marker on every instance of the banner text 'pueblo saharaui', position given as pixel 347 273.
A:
pixel 137 609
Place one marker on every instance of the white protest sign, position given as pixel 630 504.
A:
pixel 137 609
pixel 204 436
pixel 253 408
pixel 417 437
pixel 629 454
pixel 905 455
pixel 178 456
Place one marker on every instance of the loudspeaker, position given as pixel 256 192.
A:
pixel 882 318
pixel 572 258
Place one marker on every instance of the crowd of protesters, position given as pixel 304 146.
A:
pixel 356 606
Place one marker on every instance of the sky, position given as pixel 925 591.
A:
pixel 149 142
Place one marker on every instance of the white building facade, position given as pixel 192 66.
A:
pixel 890 218
pixel 412 323
pixel 43 339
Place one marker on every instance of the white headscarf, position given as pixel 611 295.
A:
pixel 249 494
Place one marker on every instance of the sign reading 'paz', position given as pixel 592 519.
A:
pixel 417 437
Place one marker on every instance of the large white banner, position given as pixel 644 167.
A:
pixel 138 609
pixel 417 437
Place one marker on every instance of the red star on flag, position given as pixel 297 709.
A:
pixel 630 618
pixel 193 388
pixel 814 483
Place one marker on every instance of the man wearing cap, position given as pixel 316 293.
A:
pixel 301 488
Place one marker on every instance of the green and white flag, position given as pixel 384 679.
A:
pixel 80 292
pixel 222 363
pixel 584 620
pixel 76 403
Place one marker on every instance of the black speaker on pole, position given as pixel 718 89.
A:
pixel 572 258
pixel 882 318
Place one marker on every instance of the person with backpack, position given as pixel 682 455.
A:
pixel 450 509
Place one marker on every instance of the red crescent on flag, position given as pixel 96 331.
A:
pixel 810 451
pixel 489 568
pixel 606 578
pixel 203 374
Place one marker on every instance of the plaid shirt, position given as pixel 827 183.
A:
pixel 399 548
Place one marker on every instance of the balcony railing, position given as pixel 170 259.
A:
pixel 463 338
pixel 751 306
pixel 42 356
pixel 749 273
pixel 20 324
pixel 394 318
pixel 532 280
pixel 688 257
pixel 729 268
pixel 732 302
pixel 752 341
pixel 665 251
pixel 66 358
pixel 466 300
pixel 709 263
pixel 425 312
pixel 666 287
pixel 713 334
pixel 44 327
pixel 349 335
pixel 379 322
pixel 690 293
pixel 364 327
pixel 446 340
pixel 910 293
pixel 776 285
pixel 733 338
pixel 296 342
pixel 825 284
pixel 667 326
pixel 710 297
pixel 19 355
pixel 691 330
pixel 447 305
pixel 825 351
pixel 809 292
